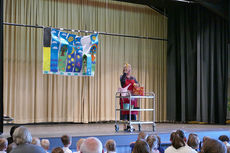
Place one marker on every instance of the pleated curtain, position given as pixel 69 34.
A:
pixel 33 97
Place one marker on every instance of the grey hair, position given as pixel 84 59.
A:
pixel 22 136
pixel 91 145
pixel 45 143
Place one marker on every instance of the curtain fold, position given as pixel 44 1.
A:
pixel 32 97
pixel 1 65
pixel 197 65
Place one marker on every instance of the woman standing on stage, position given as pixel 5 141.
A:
pixel 128 80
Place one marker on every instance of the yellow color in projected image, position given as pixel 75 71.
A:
pixel 46 58
pixel 94 38
pixel 72 50
pixel 70 39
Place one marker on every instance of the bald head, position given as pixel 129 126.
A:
pixel 91 145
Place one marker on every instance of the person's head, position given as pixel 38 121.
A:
pixel 45 143
pixel 13 128
pixel 193 141
pixel 141 146
pixel 3 144
pixel 142 135
pixel 66 140
pixel 22 136
pixel 172 136
pixel 176 140
pixel 152 141
pixel 91 145
pixel 127 68
pixel 110 145
pixel 213 146
pixel 57 150
pixel 181 134
pixel 36 141
pixel 79 142
pixel 224 138
pixel 206 138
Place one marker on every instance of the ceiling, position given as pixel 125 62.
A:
pixel 221 7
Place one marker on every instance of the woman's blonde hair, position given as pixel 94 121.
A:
pixel 126 66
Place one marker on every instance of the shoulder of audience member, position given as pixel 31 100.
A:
pixel 169 149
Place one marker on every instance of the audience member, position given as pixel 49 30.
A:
pixel 141 135
pixel 23 138
pixel 161 149
pixel 153 144
pixel 178 143
pixel 36 141
pixel 110 146
pixel 3 145
pixel 10 139
pixel 213 146
pixel 79 142
pixel 57 150
pixel 193 141
pixel 91 145
pixel 225 140
pixel 141 146
pixel 23 143
pixel 181 134
pixel 204 139
pixel 45 143
pixel 66 140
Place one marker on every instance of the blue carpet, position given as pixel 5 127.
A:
pixel 123 141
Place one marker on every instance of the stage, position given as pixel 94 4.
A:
pixel 105 131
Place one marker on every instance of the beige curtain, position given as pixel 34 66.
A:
pixel 32 97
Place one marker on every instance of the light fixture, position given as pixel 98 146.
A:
pixel 184 1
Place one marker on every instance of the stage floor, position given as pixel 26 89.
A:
pixel 100 129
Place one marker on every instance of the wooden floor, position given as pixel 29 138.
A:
pixel 100 129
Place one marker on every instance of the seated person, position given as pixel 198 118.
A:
pixel 193 141
pixel 213 146
pixel 66 140
pixel 23 139
pixel 91 144
pixel 45 143
pixel 57 150
pixel 141 136
pixel 141 146
pixel 153 144
pixel 225 140
pixel 110 146
pixel 179 145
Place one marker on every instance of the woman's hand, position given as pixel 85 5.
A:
pixel 136 84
